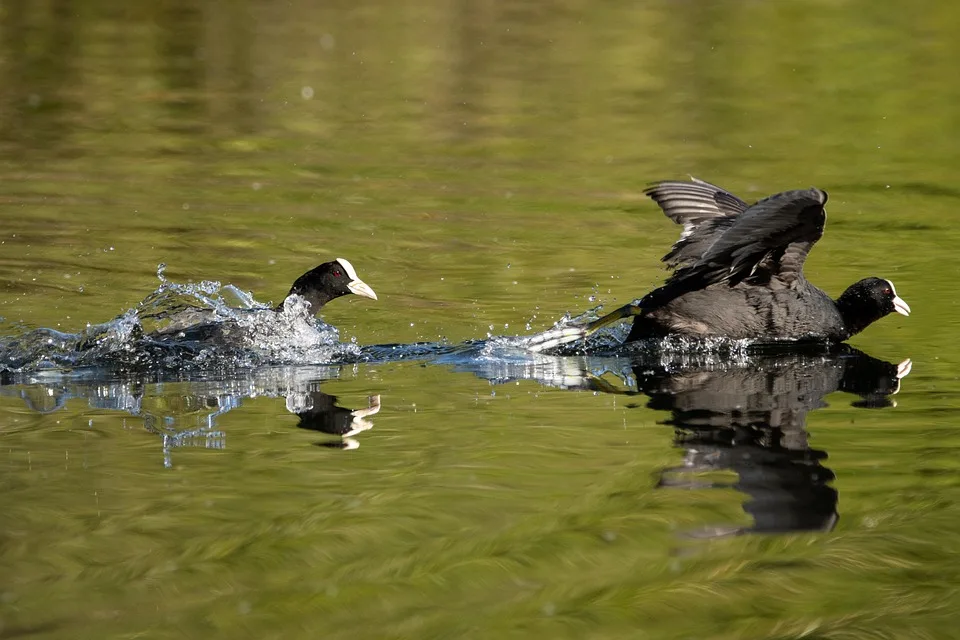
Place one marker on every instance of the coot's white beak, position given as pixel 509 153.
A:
pixel 900 306
pixel 356 285
pixel 361 288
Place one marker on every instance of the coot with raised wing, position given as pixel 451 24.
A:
pixel 738 273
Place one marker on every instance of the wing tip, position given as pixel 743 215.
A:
pixel 652 186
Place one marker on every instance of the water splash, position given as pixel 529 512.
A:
pixel 208 326
pixel 191 326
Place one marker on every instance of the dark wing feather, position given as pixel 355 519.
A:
pixel 791 264
pixel 774 235
pixel 705 211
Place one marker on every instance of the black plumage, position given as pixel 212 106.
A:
pixel 326 282
pixel 738 271
pixel 317 287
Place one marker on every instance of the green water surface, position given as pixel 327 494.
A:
pixel 481 164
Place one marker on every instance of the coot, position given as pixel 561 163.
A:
pixel 738 273
pixel 327 281
pixel 318 286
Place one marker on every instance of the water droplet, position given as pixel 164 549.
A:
pixel 592 298
pixel 306 93
pixel 508 265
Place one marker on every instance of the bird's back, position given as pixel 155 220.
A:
pixel 744 311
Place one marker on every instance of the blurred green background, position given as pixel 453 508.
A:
pixel 481 163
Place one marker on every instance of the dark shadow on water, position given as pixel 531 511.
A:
pixel 745 413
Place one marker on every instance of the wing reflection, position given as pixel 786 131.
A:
pixel 745 414
pixel 186 414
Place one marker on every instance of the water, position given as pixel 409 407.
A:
pixel 407 468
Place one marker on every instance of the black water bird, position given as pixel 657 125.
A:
pixel 317 287
pixel 738 273
pixel 326 282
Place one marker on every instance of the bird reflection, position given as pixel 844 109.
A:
pixel 751 419
pixel 319 411
pixel 744 413
pixel 189 417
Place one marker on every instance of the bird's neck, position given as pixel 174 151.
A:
pixel 316 299
pixel 854 319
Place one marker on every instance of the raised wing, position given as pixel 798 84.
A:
pixel 773 236
pixel 705 211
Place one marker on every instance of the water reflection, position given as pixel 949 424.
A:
pixel 743 413
pixel 751 420
pixel 188 416
pixel 319 411
pixel 736 411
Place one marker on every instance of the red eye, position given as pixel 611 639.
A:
pixel 337 274
pixel 887 291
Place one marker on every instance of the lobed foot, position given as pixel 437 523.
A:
pixel 553 338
